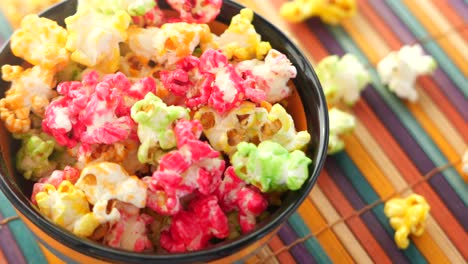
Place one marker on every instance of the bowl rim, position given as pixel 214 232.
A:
pixel 99 251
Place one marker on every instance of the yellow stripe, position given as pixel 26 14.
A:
pixel 376 178
pixel 328 240
pixel 393 175
pixel 435 23
pixel 349 241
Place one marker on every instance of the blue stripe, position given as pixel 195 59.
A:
pixel 312 244
pixel 406 118
pixel 24 238
pixel 418 30
pixel 5 28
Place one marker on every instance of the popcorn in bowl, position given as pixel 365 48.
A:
pixel 94 120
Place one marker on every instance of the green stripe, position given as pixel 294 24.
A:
pixel 406 118
pixel 418 30
pixel 368 194
pixel 312 244
pixel 24 238
pixel 5 28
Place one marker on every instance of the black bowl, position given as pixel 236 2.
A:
pixel 307 106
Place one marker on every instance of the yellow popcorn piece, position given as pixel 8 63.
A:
pixel 67 207
pixel 249 123
pixel 240 40
pixel 94 38
pixel 330 12
pixel 175 41
pixel 41 41
pixel 281 130
pixel 15 10
pixel 30 90
pixel 106 181
pixel 407 216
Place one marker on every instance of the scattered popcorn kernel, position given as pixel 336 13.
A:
pixel 407 216
pixel 155 126
pixel 235 194
pixel 105 181
pixel 340 123
pixel 330 12
pixel 192 230
pixel 270 167
pixel 33 159
pixel 240 40
pixel 130 232
pixel 342 79
pixel 271 75
pixel 197 11
pixel 41 41
pixel 195 166
pixel 67 207
pixel 400 69
pixel 94 38
pixel 30 91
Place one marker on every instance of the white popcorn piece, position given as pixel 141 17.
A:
pixel 399 70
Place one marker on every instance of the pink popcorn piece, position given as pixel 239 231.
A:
pixel 93 111
pixel 58 176
pixel 235 194
pixel 152 18
pixel 193 229
pixel 130 232
pixel 194 168
pixel 210 80
pixel 197 11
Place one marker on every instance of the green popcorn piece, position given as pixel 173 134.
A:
pixel 34 158
pixel 342 78
pixel 155 127
pixel 132 7
pixel 340 123
pixel 270 166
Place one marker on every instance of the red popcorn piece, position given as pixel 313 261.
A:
pixel 58 176
pixel 152 18
pixel 197 11
pixel 235 194
pixel 191 230
pixel 195 166
pixel 130 232
pixel 93 111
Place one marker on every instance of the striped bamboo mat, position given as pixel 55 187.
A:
pixel 395 149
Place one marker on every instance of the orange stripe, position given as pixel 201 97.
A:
pixel 3 259
pixel 443 216
pixel 328 240
pixel 434 29
pixel 379 182
pixel 450 15
pixel 355 224
pixel 51 258
pixel 284 257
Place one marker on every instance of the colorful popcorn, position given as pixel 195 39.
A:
pixel 130 148
pixel 30 92
pixel 270 167
pixel 197 11
pixel 340 123
pixel 41 41
pixel 342 79
pixel 106 181
pixel 399 70
pixel 407 216
pixel 67 206
pixel 155 126
pixel 240 41
pixel 330 12
pixel 15 11
pixel 271 75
